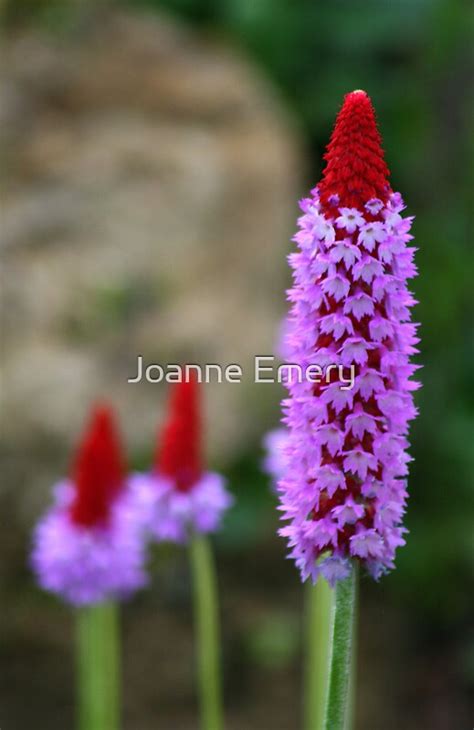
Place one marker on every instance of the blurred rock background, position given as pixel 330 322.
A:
pixel 149 188
pixel 153 155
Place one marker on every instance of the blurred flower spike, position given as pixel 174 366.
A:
pixel 89 547
pixel 343 479
pixel 178 498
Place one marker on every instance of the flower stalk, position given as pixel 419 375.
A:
pixel 183 503
pixel 329 685
pixel 338 709
pixel 206 617
pixel 89 549
pixel 319 600
pixel 344 466
pixel 98 667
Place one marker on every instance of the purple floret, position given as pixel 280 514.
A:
pixel 87 565
pixel 169 514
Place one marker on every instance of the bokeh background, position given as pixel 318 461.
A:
pixel 153 156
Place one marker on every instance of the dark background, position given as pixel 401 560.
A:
pixel 416 643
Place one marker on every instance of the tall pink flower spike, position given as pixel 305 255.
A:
pixel 343 482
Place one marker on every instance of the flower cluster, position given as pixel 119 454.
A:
pixel 343 481
pixel 89 547
pixel 178 497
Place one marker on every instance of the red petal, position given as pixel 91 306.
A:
pixel 356 169
pixel 178 454
pixel 98 470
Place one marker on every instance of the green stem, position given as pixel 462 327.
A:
pixel 319 599
pixel 98 667
pixel 112 633
pixel 341 642
pixel 350 714
pixel 207 629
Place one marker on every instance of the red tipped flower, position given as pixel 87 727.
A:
pixel 356 171
pixel 345 463
pixel 178 452
pixel 89 547
pixel 179 497
pixel 98 471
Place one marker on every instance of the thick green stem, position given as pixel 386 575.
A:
pixel 340 659
pixel 351 702
pixel 206 614
pixel 98 667
pixel 319 600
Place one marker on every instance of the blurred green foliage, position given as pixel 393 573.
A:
pixel 273 641
pixel 414 59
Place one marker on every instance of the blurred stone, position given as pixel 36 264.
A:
pixel 150 185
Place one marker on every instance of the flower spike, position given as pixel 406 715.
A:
pixel 178 496
pixel 89 546
pixel 343 475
